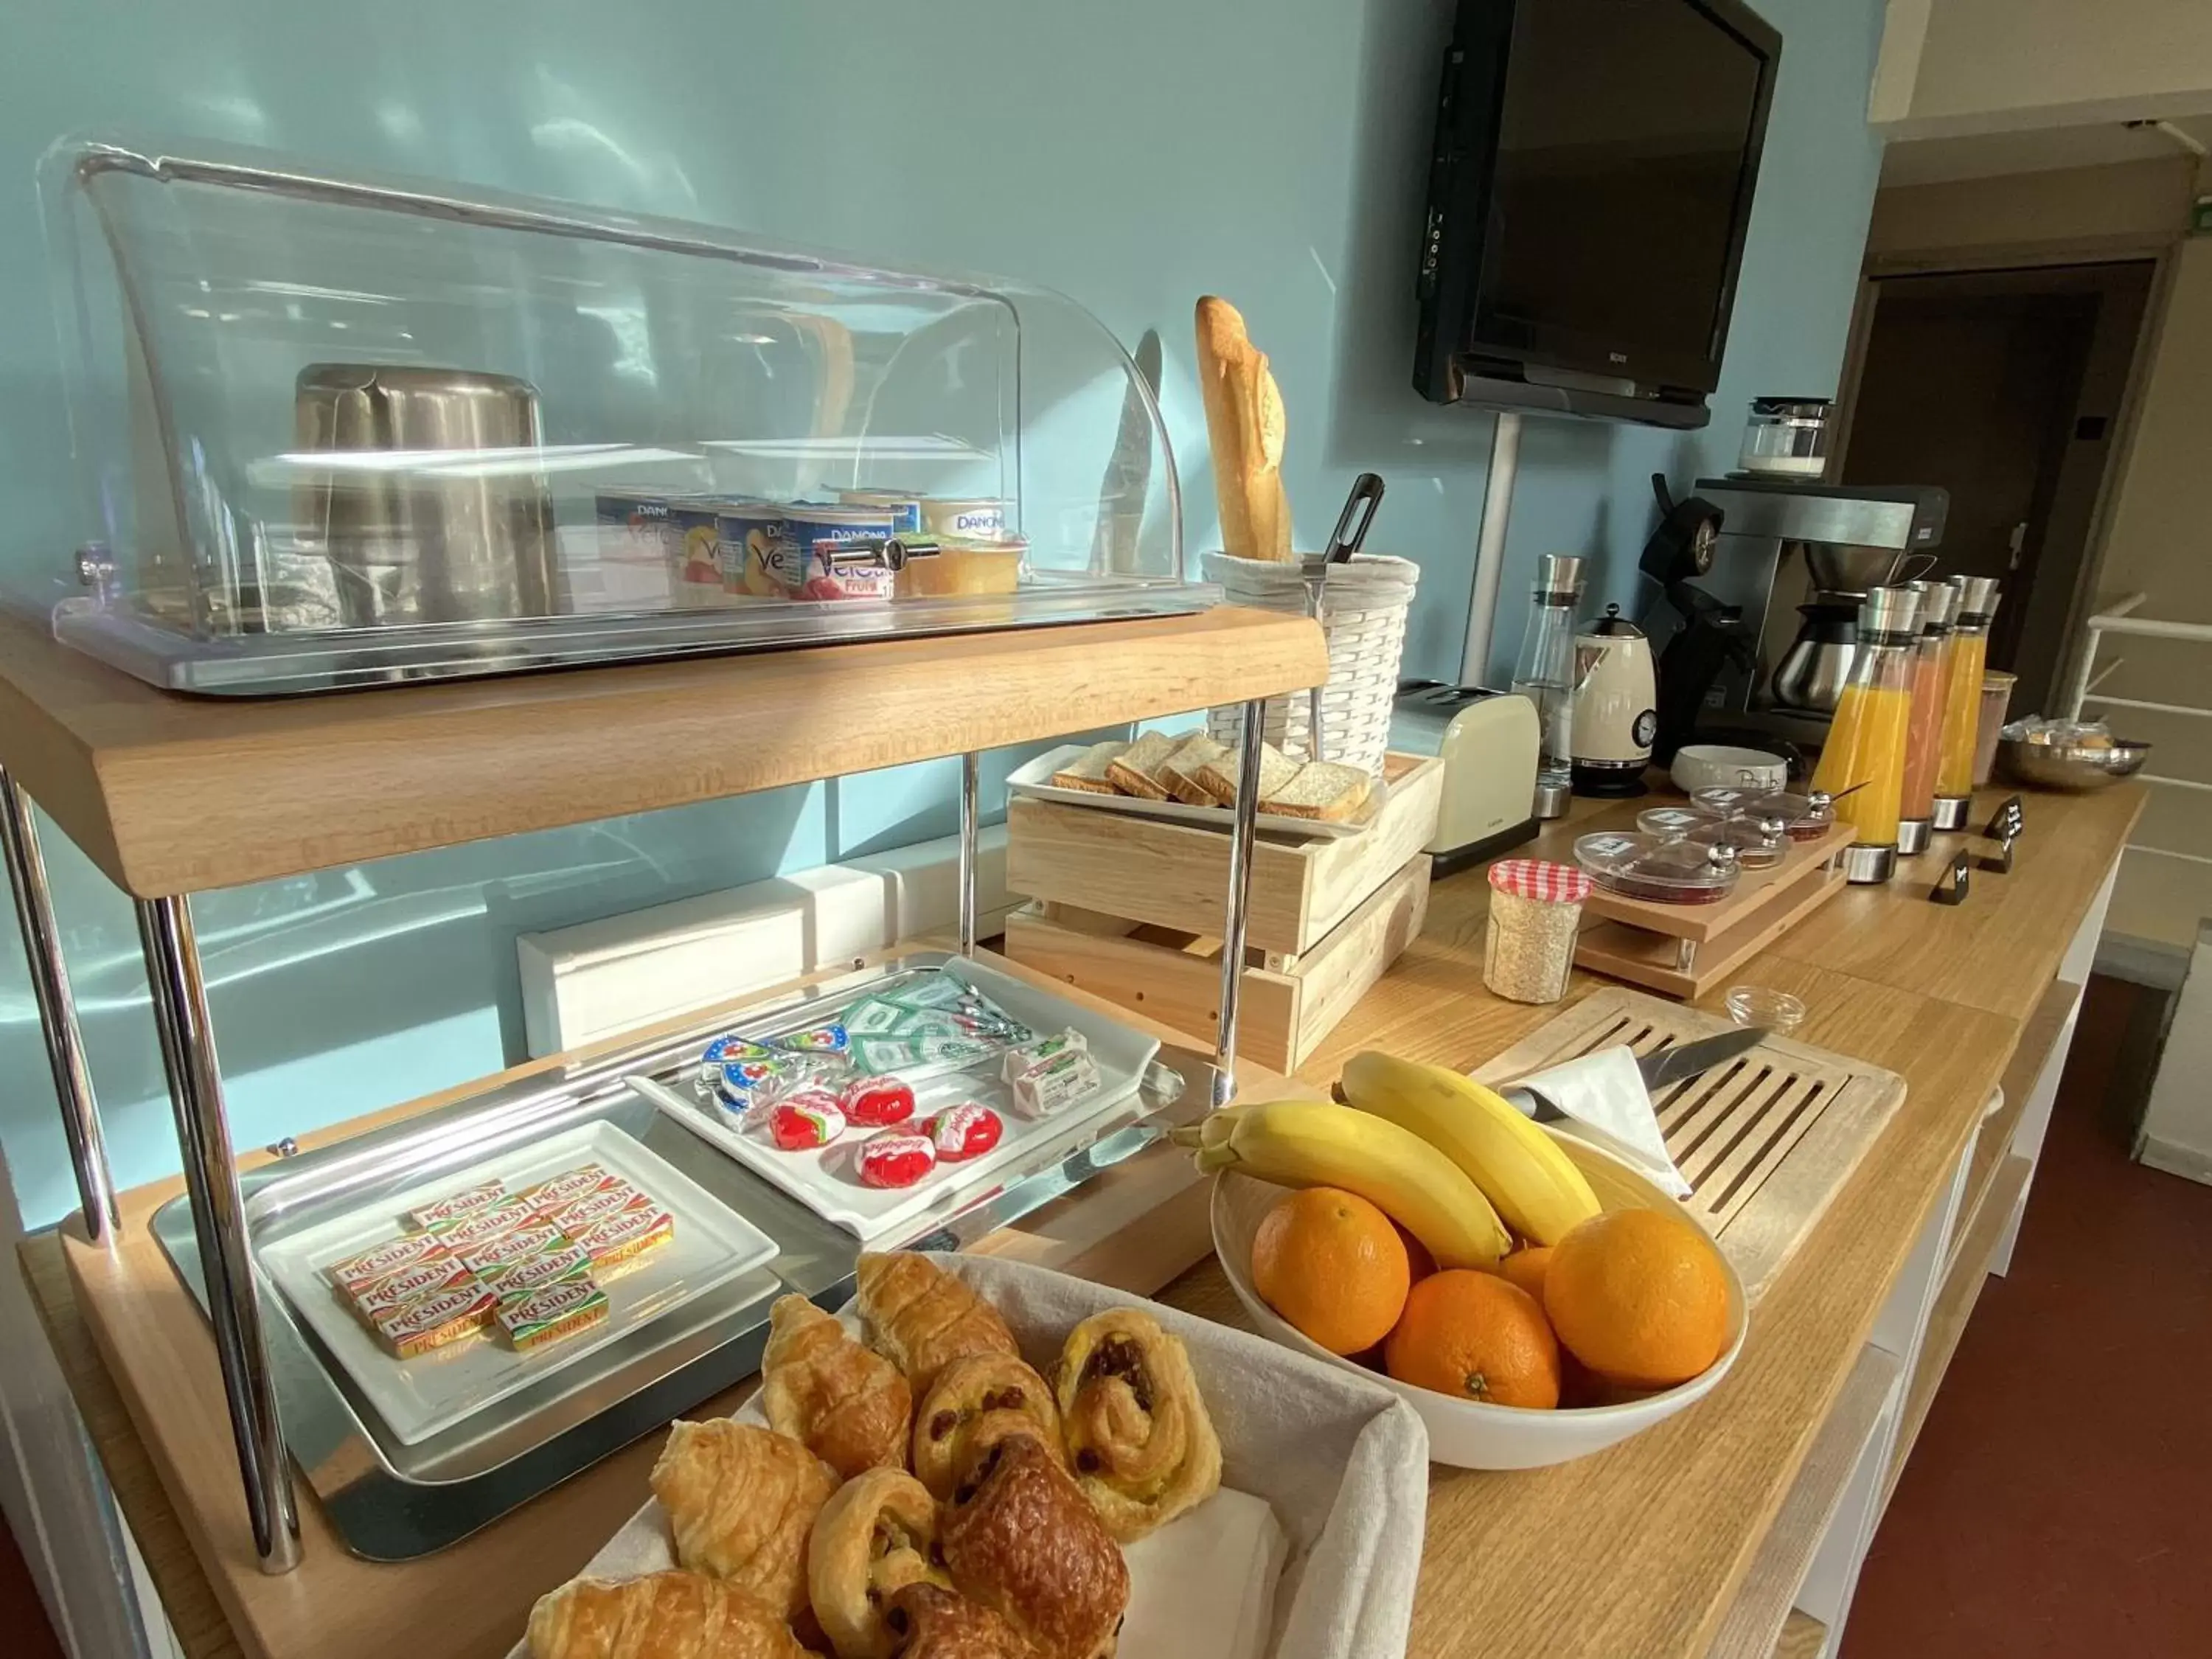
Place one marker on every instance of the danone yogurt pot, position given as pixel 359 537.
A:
pixel 825 575
pixel 805 524
pixel 753 553
pixel 904 509
pixel 978 517
pixel 695 556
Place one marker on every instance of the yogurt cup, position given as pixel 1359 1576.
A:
pixel 971 517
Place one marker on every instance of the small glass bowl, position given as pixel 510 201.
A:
pixel 1672 823
pixel 1754 1004
pixel 1759 842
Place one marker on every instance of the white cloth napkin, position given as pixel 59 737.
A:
pixel 1182 1579
pixel 1606 1101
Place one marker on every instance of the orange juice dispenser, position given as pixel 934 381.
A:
pixel 1923 738
pixel 1863 764
pixel 1964 660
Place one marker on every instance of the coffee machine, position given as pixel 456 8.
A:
pixel 1790 564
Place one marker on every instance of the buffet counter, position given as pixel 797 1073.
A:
pixel 1643 1549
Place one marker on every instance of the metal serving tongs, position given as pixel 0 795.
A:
pixel 1343 542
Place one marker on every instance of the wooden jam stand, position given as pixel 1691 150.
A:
pixel 1685 949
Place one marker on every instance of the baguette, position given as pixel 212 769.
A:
pixel 1179 771
pixel 1131 771
pixel 1087 771
pixel 1220 777
pixel 1245 427
pixel 1320 790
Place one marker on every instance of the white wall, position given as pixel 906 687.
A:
pixel 1990 65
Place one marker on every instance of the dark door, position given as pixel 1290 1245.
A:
pixel 2002 386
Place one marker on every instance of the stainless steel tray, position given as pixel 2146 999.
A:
pixel 260 664
pixel 390 1502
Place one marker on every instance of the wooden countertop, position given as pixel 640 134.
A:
pixel 174 795
pixel 1637 1551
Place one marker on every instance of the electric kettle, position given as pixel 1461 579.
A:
pixel 1616 707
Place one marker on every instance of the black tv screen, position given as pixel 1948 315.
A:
pixel 1589 190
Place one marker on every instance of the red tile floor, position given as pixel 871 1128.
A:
pixel 2056 1505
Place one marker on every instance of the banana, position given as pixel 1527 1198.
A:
pixel 1310 1142
pixel 1522 1171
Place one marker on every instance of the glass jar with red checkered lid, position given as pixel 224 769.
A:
pixel 1536 913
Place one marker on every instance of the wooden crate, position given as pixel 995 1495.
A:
pixel 1764 1141
pixel 1288 1004
pixel 1685 949
pixel 1177 875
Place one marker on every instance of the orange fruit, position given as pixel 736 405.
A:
pixel 1474 1336
pixel 1525 1267
pixel 1331 1263
pixel 1417 1259
pixel 1639 1296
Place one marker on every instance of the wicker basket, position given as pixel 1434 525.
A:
pixel 1363 612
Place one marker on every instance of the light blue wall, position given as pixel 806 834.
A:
pixel 1133 155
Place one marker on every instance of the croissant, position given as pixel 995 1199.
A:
pixel 667 1615
pixel 876 1536
pixel 1019 1538
pixel 935 1624
pixel 1143 1447
pixel 924 1318
pixel 741 1501
pixel 848 1406
pixel 975 1403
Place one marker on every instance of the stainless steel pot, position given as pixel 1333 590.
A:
pixel 445 516
pixel 1814 672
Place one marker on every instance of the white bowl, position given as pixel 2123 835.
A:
pixel 1715 766
pixel 1467 1433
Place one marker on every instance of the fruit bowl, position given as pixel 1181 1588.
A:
pixel 1467 1433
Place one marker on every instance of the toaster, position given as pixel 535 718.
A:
pixel 1487 741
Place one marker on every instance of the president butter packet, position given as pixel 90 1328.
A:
pixel 454 1206
pixel 547 1315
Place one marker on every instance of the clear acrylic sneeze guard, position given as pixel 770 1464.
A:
pixel 342 431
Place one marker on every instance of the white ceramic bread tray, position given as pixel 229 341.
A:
pixel 1035 780
pixel 825 1180
pixel 418 1396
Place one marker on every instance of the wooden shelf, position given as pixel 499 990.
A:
pixel 1759 1617
pixel 1803 1637
pixel 1955 1305
pixel 173 794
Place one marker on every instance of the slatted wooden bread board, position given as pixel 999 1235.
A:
pixel 1766 1141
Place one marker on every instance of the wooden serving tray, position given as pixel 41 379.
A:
pixel 1764 1141
pixel 1685 949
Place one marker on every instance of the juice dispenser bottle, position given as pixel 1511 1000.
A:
pixel 1865 752
pixel 1545 676
pixel 1966 657
pixel 1924 737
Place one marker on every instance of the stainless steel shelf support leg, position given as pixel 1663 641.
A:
pixel 49 988
pixel 1240 900
pixel 180 1013
pixel 970 813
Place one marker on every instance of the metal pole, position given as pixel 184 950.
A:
pixel 2079 692
pixel 1490 546
pixel 970 773
pixel 49 988
pixel 1240 898
pixel 180 1013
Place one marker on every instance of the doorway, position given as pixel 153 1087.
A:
pixel 2004 387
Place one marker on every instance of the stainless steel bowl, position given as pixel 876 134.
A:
pixel 2075 768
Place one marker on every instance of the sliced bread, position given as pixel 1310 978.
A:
pixel 1320 789
pixel 1179 771
pixel 1218 778
pixel 1131 772
pixel 1087 771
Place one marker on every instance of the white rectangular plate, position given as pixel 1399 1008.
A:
pixel 825 1180
pixel 1035 780
pixel 418 1397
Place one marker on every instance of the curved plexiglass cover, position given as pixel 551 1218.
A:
pixel 340 430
